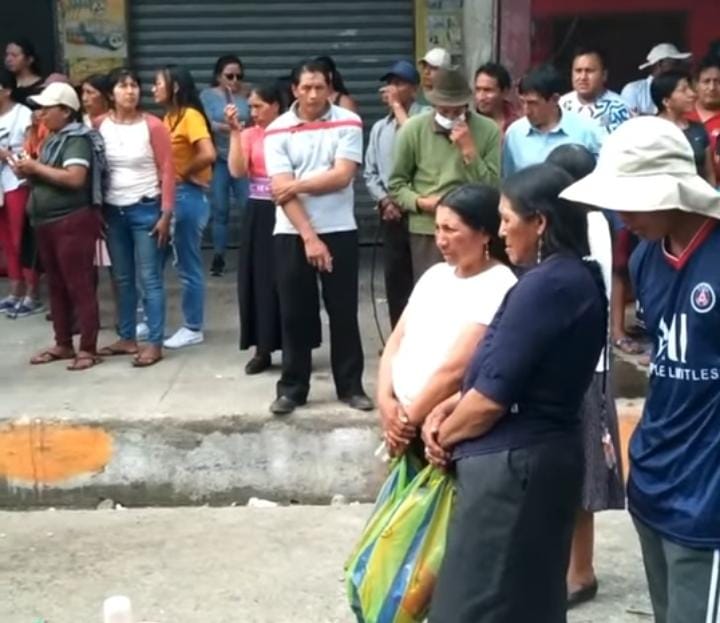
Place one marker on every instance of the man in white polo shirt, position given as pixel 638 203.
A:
pixel 312 153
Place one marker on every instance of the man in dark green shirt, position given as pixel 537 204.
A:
pixel 436 152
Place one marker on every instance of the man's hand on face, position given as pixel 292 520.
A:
pixel 461 136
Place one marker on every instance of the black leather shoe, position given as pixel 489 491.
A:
pixel 283 406
pixel 359 401
pixel 258 364
pixel 582 595
pixel 218 266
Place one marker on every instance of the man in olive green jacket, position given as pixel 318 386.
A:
pixel 436 152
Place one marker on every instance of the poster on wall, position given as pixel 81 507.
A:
pixel 439 23
pixel 93 35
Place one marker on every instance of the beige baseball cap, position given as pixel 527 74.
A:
pixel 662 51
pixel 57 94
pixel 646 165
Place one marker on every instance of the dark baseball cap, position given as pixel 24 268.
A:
pixel 403 69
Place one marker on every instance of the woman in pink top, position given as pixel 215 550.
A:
pixel 259 313
pixel 139 202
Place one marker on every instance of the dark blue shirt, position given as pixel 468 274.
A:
pixel 539 355
pixel 674 484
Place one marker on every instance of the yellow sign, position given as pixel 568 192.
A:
pixel 94 36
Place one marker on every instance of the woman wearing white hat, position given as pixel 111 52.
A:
pixel 647 173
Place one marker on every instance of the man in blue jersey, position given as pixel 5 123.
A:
pixel 646 172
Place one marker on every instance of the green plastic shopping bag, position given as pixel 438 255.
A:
pixel 392 573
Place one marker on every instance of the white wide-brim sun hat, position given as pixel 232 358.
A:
pixel 646 165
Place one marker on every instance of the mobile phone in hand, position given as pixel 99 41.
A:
pixel 229 99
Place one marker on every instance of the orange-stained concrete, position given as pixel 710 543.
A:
pixel 50 453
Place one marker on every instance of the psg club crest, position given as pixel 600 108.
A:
pixel 702 298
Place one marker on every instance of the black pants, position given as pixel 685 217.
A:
pixel 509 537
pixel 257 291
pixel 398 266
pixel 300 308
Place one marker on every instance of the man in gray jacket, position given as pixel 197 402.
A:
pixel 399 93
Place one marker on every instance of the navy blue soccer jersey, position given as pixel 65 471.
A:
pixel 674 484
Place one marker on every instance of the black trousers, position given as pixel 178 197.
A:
pixel 257 290
pixel 509 537
pixel 300 309
pixel 398 266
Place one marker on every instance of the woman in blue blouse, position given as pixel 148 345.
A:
pixel 227 87
pixel 513 432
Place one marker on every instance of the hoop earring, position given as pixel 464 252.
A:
pixel 539 250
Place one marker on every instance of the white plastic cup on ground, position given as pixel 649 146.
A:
pixel 117 609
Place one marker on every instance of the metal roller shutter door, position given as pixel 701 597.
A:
pixel 363 37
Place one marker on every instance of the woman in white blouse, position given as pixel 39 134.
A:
pixel 448 312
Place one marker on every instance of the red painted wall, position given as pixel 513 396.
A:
pixel 703 23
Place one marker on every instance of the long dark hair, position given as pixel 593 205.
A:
pixel 573 158
pixel 28 49
pixel 477 207
pixel 336 79
pixel 535 191
pixel 270 93
pixel 186 95
pixel 7 79
pixel 220 65
pixel 105 83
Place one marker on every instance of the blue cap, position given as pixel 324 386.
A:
pixel 403 69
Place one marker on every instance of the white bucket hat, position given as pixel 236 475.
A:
pixel 57 94
pixel 647 164
pixel 662 51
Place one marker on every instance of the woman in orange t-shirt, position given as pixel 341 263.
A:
pixel 193 154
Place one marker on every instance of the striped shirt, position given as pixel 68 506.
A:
pixel 308 148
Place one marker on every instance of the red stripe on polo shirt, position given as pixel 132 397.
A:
pixel 701 235
pixel 317 125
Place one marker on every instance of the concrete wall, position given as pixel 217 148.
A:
pixel 167 462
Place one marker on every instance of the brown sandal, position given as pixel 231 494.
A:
pixel 84 361
pixel 113 350
pixel 141 360
pixel 48 356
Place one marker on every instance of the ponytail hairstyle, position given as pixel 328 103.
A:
pixel 336 79
pixel 183 93
pixel 535 191
pixel 271 93
pixel 477 207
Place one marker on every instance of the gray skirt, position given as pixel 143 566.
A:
pixel 509 537
pixel 603 487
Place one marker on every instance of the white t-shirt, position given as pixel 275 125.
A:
pixel 306 149
pixel 132 168
pixel 13 125
pixel 441 307
pixel 601 251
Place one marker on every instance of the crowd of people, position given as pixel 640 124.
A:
pixel 508 230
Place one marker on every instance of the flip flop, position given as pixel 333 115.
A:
pixel 93 359
pixel 145 362
pixel 48 356
pixel 114 351
pixel 629 346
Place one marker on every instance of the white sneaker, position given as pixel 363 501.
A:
pixel 142 332
pixel 184 337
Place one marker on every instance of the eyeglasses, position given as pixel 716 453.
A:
pixel 232 76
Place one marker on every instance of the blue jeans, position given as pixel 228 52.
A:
pixel 137 261
pixel 222 185
pixel 191 216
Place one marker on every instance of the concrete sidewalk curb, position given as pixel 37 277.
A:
pixel 171 462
